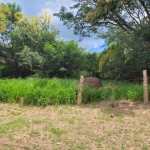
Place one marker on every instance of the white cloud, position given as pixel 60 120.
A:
pixel 92 42
pixel 95 45
pixel 54 20
pixel 53 7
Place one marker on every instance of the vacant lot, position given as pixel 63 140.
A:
pixel 89 127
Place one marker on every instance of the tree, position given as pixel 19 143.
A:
pixel 125 22
pixel 35 49
pixel 23 40
pixel 8 22
pixel 129 59
pixel 29 62
pixel 92 14
pixel 63 59
pixel 109 61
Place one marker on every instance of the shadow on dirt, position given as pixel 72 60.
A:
pixel 117 108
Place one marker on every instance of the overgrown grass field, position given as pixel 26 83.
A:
pixel 42 92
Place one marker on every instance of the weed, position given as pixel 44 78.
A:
pixel 57 132
pixel 104 118
pixel 120 118
pixel 26 148
pixel 61 111
pixel 109 133
pixel 11 137
pixel 145 148
pixel 15 113
pixel 143 123
pixel 69 142
pixel 137 137
pixel 99 141
pixel 37 121
pixel 109 110
pixel 141 130
pixel 72 120
pixel 31 132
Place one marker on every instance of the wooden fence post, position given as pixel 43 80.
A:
pixel 22 101
pixel 145 86
pixel 80 86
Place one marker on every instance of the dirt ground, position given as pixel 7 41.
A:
pixel 98 126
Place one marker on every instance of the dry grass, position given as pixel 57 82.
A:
pixel 90 127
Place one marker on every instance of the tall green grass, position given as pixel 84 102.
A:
pixel 43 92
pixel 114 91
pixel 39 91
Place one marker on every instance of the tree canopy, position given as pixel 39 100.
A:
pixel 35 49
pixel 124 24
pixel 89 15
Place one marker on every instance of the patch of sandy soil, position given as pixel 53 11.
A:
pixel 118 125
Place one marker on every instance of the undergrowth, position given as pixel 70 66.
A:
pixel 55 91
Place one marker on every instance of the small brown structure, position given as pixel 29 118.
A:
pixel 92 82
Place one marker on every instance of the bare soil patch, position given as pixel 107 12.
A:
pixel 89 127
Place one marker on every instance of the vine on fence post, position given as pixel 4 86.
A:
pixel 145 86
pixel 80 86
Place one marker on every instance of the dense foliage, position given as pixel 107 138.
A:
pixel 123 22
pixel 27 49
pixel 35 49
pixel 124 58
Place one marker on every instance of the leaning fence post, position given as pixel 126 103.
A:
pixel 80 86
pixel 145 86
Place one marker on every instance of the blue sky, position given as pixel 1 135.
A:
pixel 38 7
